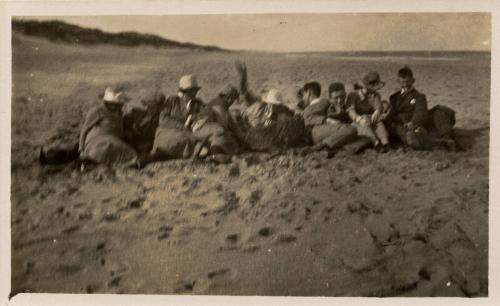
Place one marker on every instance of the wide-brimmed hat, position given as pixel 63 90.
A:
pixel 273 97
pixel 371 80
pixel 114 95
pixel 188 82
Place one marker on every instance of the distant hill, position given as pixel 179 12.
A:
pixel 59 31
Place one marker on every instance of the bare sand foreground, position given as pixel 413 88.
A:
pixel 399 224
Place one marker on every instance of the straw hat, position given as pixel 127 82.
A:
pixel 188 82
pixel 115 96
pixel 273 97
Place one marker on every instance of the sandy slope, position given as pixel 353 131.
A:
pixel 403 223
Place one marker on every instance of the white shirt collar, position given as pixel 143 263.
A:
pixel 315 101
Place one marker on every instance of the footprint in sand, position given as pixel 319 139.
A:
pixel 71 229
pixel 266 231
pixel 215 280
pixel 111 217
pixel 92 288
pixel 218 273
pixel 232 238
pixel 284 238
pixel 230 243
pixel 165 232
pixel 184 286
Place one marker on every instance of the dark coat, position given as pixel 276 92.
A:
pixel 316 114
pixel 175 112
pixel 408 107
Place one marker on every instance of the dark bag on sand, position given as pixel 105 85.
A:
pixel 441 120
pixel 59 151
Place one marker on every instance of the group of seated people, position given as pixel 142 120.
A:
pixel 182 126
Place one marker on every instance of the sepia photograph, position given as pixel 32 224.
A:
pixel 329 154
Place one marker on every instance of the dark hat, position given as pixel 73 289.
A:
pixel 406 72
pixel 372 80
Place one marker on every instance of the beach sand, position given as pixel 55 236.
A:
pixel 395 224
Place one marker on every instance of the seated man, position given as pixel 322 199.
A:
pixel 174 138
pixel 408 114
pixel 328 123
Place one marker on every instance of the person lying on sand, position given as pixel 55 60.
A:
pixel 408 114
pixel 101 136
pixel 267 123
pixel 213 127
pixel 257 111
pixel 329 127
pixel 174 137
pixel 367 112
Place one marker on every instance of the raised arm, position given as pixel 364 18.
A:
pixel 241 68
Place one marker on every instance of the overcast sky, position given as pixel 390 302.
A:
pixel 310 32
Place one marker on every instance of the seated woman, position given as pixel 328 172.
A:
pixel 366 110
pixel 101 136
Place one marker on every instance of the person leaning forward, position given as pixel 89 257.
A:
pixel 408 114
pixel 325 131
pixel 173 138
